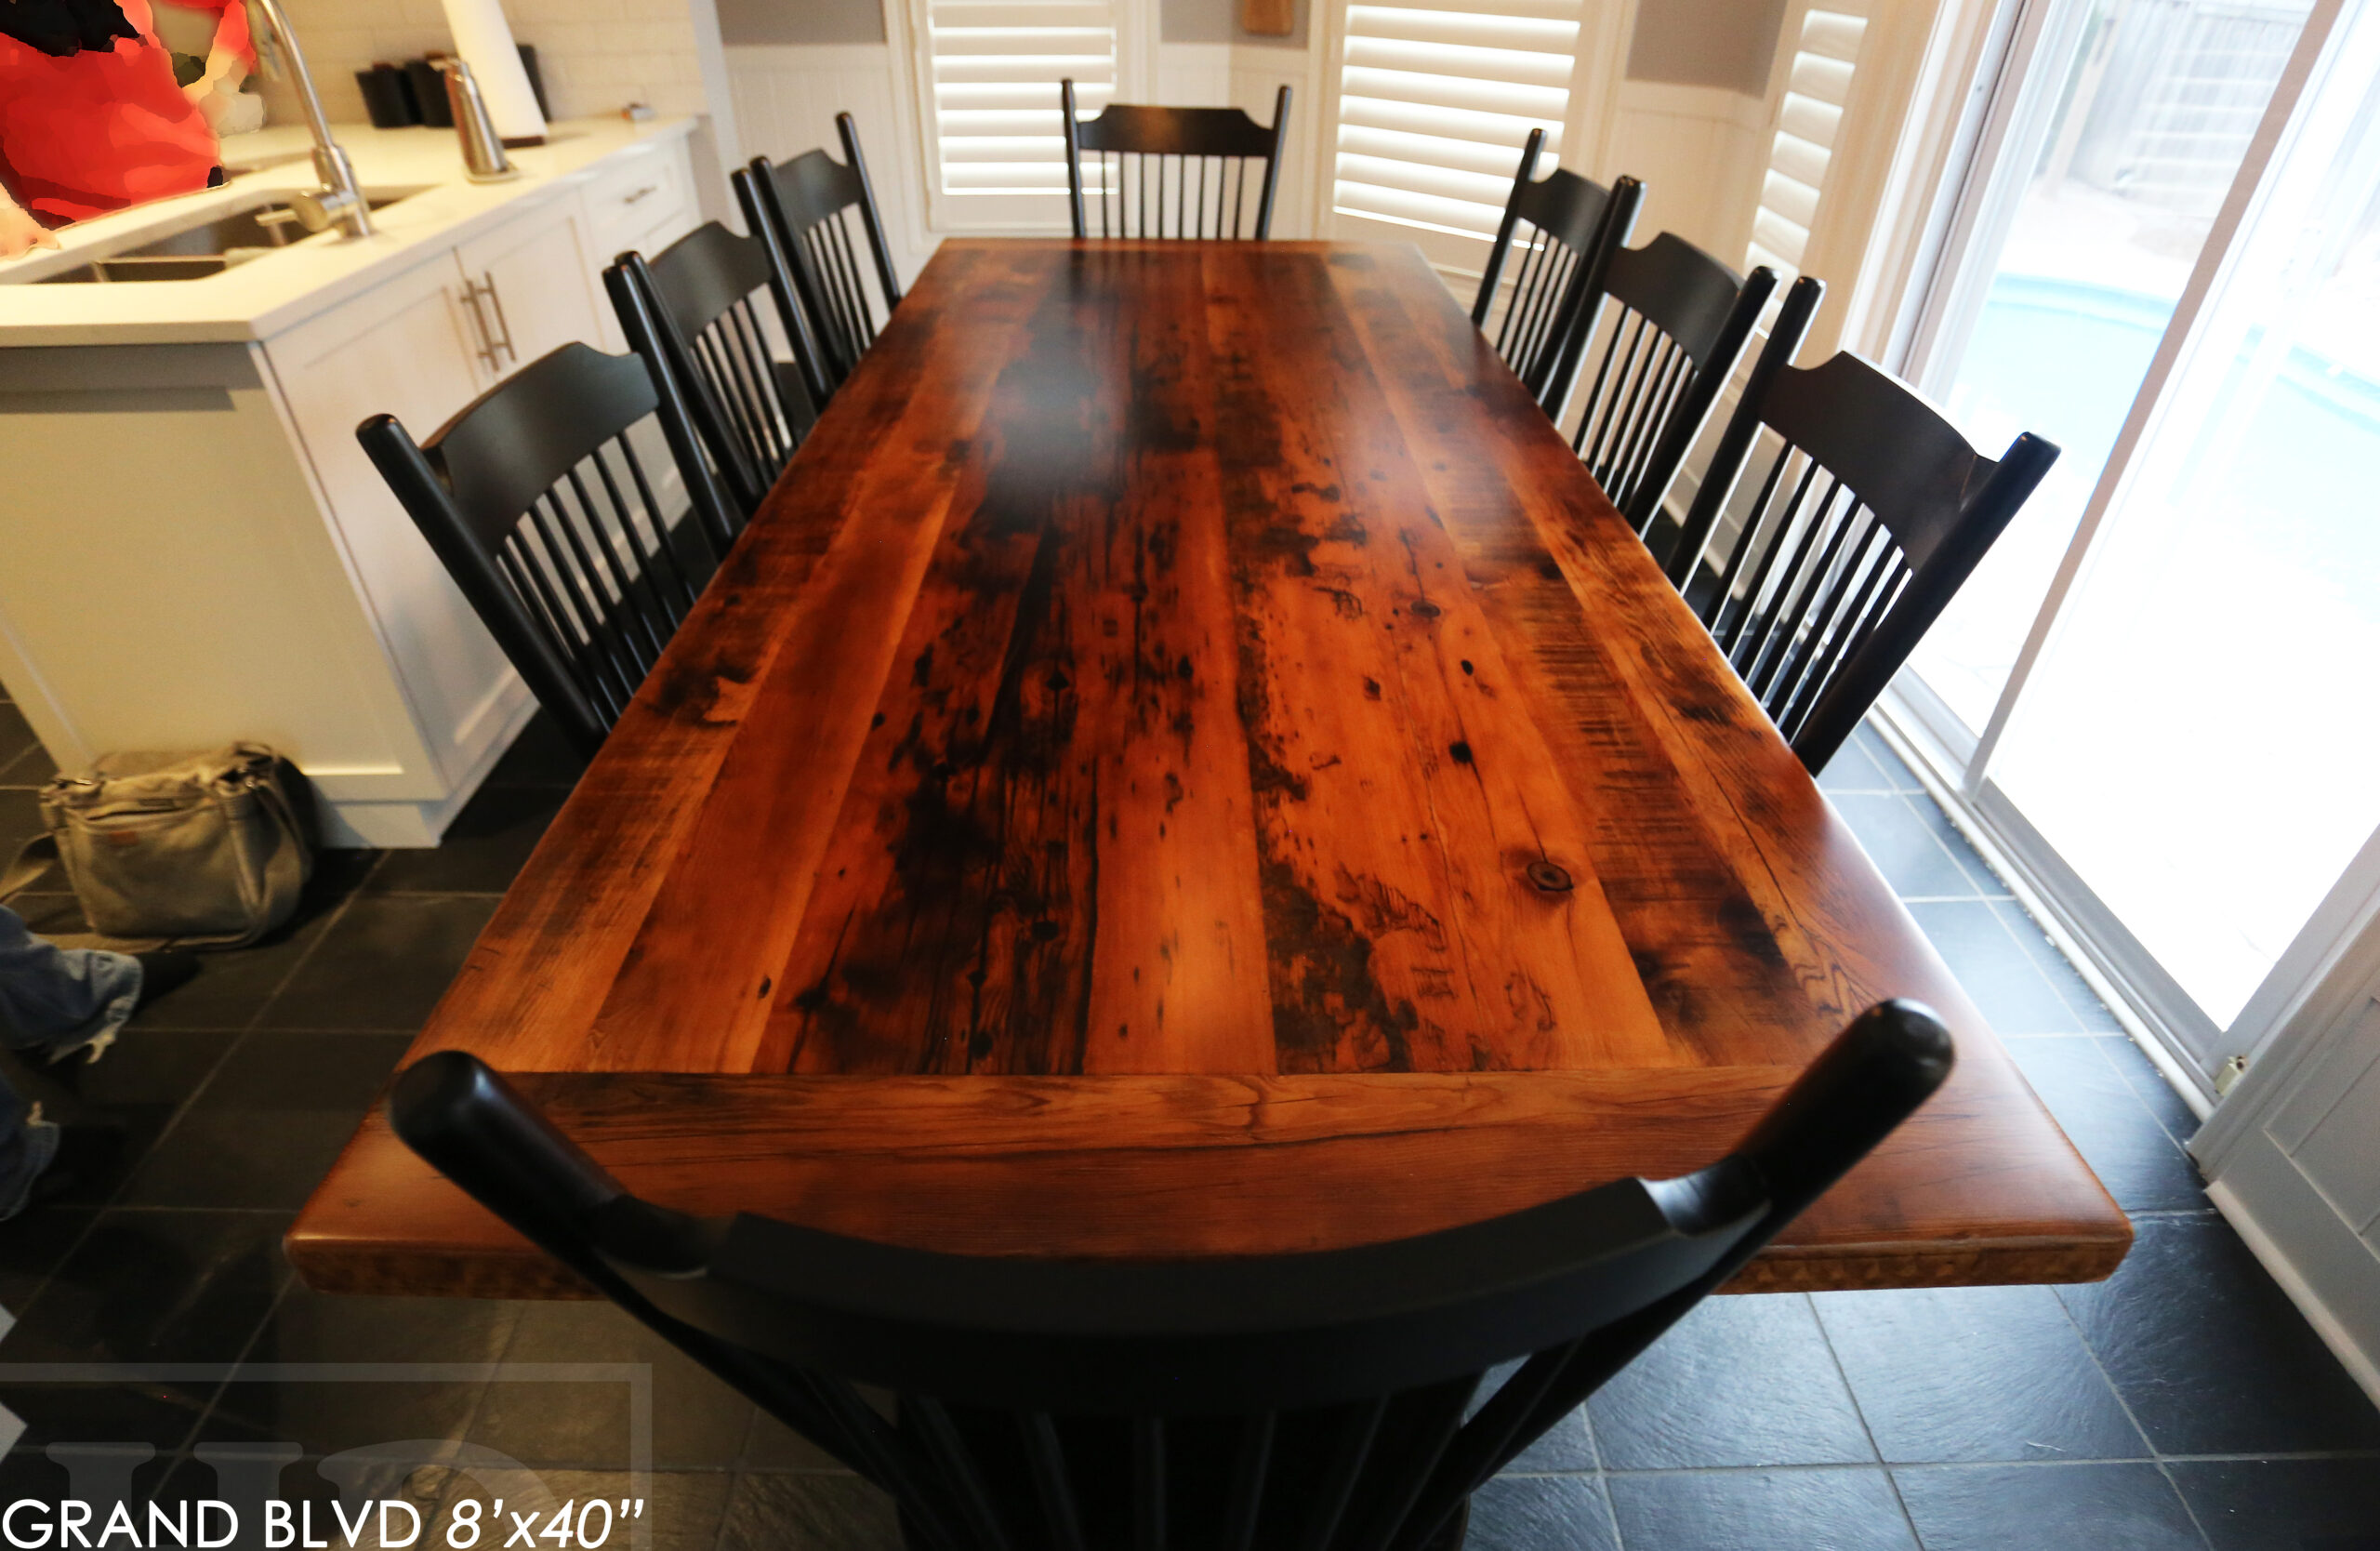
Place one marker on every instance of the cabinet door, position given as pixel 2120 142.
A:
pixel 534 281
pixel 405 348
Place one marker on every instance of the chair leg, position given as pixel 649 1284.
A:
pixel 1458 1525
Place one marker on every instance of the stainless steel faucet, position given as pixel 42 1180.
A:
pixel 340 199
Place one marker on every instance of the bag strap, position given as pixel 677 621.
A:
pixel 25 868
pixel 287 867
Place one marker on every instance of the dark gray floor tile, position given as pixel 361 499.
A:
pixel 2211 1358
pixel 32 1245
pixel 1852 770
pixel 17 740
pixel 384 963
pixel 2004 982
pixel 2285 1504
pixel 698 1422
pixel 324 1416
pixel 539 757
pixel 2133 1154
pixel 233 987
pixel 156 1287
pixel 1565 1446
pixel 1903 848
pixel 808 1513
pixel 1961 850
pixel 1741 1380
pixel 142 1082
pixel 770 1445
pixel 1974 1373
pixel 267 1128
pixel 143 1287
pixel 49 914
pixel 1541 1513
pixel 1760 1510
pixel 32 768
pixel 482 849
pixel 2071 986
pixel 1896 774
pixel 2048 1507
pixel 21 821
pixel 2141 1074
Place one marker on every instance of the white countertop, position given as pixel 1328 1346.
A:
pixel 259 298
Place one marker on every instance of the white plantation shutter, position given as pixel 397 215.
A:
pixel 1809 117
pixel 996 142
pixel 1436 98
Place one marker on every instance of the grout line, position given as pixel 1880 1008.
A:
pixel 2100 1367
pixel 1852 1393
pixel 2169 1065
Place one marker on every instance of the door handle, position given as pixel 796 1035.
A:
pixel 497 302
pixel 486 351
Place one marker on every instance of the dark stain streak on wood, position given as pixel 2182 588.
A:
pixel 1057 792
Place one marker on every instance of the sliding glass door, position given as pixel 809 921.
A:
pixel 2153 689
pixel 2131 121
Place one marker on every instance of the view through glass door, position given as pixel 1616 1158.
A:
pixel 2162 715
pixel 2134 119
pixel 2211 666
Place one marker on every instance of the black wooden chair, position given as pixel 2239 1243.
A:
pixel 1677 324
pixel 804 208
pixel 1567 228
pixel 688 311
pixel 538 506
pixel 1872 513
pixel 1337 1399
pixel 1187 144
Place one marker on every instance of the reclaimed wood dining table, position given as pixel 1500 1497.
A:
pixel 1185 763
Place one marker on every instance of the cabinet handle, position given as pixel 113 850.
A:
pixel 648 188
pixel 497 302
pixel 486 351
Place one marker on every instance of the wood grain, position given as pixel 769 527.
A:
pixel 1188 763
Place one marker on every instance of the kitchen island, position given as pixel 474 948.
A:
pixel 193 546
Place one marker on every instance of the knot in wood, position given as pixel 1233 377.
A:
pixel 1547 878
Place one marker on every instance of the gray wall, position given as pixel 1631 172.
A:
pixel 1197 21
pixel 1705 43
pixel 1218 22
pixel 763 22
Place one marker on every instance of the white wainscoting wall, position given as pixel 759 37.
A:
pixel 786 98
pixel 1699 151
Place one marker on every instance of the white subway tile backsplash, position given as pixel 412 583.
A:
pixel 596 55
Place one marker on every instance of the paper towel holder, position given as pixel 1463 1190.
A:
pixel 484 158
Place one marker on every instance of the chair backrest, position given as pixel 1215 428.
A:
pixel 806 206
pixel 1567 228
pixel 688 311
pixel 534 499
pixel 1871 515
pixel 1328 1399
pixel 1675 323
pixel 1187 175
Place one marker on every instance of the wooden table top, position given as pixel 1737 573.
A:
pixel 1188 763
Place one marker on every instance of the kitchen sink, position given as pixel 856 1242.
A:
pixel 210 245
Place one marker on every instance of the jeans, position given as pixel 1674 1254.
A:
pixel 54 1001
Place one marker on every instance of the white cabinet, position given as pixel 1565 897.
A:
pixel 214 557
pixel 645 202
pixel 406 348
pixel 531 285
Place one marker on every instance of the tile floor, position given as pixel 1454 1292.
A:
pixel 2183 1404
